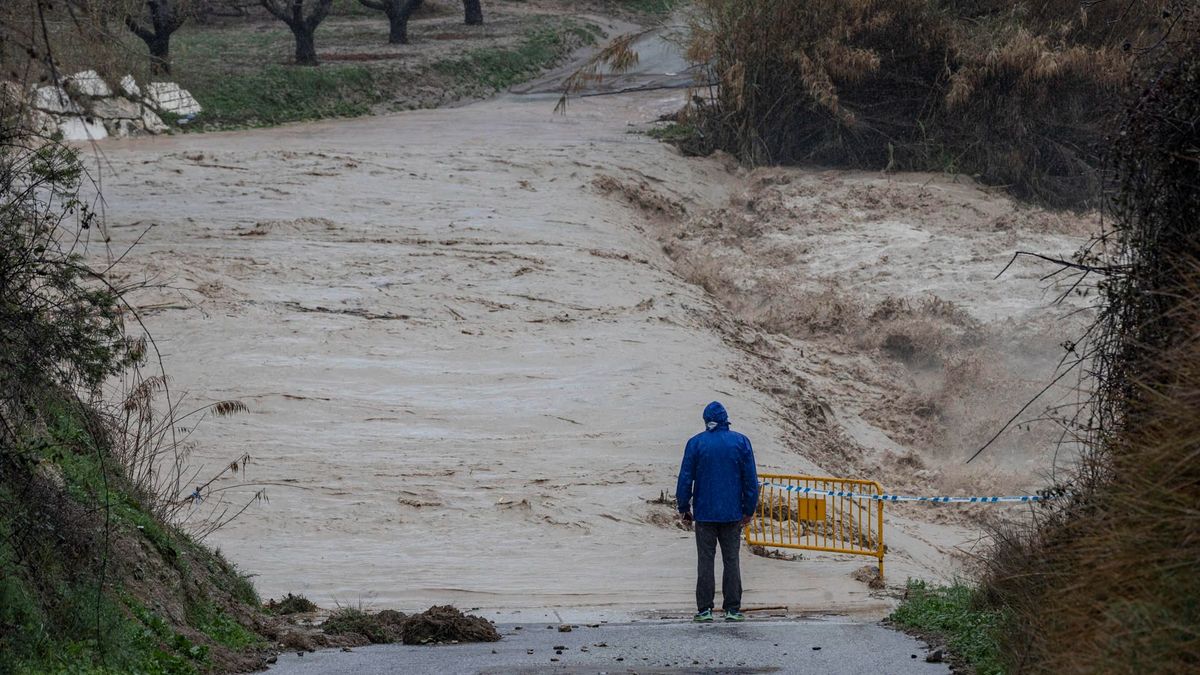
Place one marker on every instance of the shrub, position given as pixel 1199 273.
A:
pixel 1019 94
pixel 1106 581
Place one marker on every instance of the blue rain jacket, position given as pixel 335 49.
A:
pixel 717 481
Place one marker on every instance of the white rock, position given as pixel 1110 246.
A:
pixel 153 123
pixel 171 98
pixel 44 124
pixel 80 129
pixel 123 128
pixel 130 88
pixel 88 83
pixel 116 109
pixel 54 100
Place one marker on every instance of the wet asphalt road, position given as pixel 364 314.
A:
pixel 756 646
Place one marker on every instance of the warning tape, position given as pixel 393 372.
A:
pixel 907 498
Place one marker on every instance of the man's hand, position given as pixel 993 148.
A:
pixel 747 519
pixel 685 518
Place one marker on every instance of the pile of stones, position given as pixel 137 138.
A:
pixel 86 107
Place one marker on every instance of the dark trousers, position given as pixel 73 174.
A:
pixel 729 536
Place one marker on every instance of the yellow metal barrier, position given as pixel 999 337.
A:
pixel 818 522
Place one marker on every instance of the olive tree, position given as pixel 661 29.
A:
pixel 154 21
pixel 473 12
pixel 302 17
pixel 398 13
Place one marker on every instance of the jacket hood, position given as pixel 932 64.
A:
pixel 715 414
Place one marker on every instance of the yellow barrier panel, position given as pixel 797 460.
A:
pixel 816 522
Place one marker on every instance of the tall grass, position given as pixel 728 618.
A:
pixel 1107 581
pixel 1018 94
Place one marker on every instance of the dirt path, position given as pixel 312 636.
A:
pixel 468 369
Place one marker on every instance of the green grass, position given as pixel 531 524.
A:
pixel 104 636
pixel 209 619
pixel 242 76
pixel 650 7
pixel 179 654
pixel 57 621
pixel 85 470
pixel 954 614
pixel 53 617
pixel 498 68
pixel 241 587
pixel 672 132
pixel 280 94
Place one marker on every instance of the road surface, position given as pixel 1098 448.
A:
pixel 827 645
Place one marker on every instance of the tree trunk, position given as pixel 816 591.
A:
pixel 473 11
pixel 398 14
pixel 306 46
pixel 397 25
pixel 160 54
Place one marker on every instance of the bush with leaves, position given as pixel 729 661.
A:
pixel 61 320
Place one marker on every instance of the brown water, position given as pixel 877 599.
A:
pixel 467 369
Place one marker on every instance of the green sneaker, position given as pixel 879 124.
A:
pixel 735 616
pixel 703 617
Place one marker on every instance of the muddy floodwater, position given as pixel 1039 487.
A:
pixel 468 369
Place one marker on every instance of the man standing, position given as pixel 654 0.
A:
pixel 718 489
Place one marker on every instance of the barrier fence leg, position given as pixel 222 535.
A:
pixel 880 543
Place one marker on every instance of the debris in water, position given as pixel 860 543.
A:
pixel 869 575
pixel 443 623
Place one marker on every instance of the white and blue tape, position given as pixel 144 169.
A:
pixel 905 498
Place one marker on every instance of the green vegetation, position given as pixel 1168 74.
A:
pixel 649 7
pixel 167 649
pixel 957 615
pixel 222 628
pixel 497 69
pixel 279 94
pixel 53 615
pixel 243 77
pixel 91 570
pixel 1105 581
pixel 672 132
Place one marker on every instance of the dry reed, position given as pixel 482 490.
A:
pixel 1018 94
pixel 1106 581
